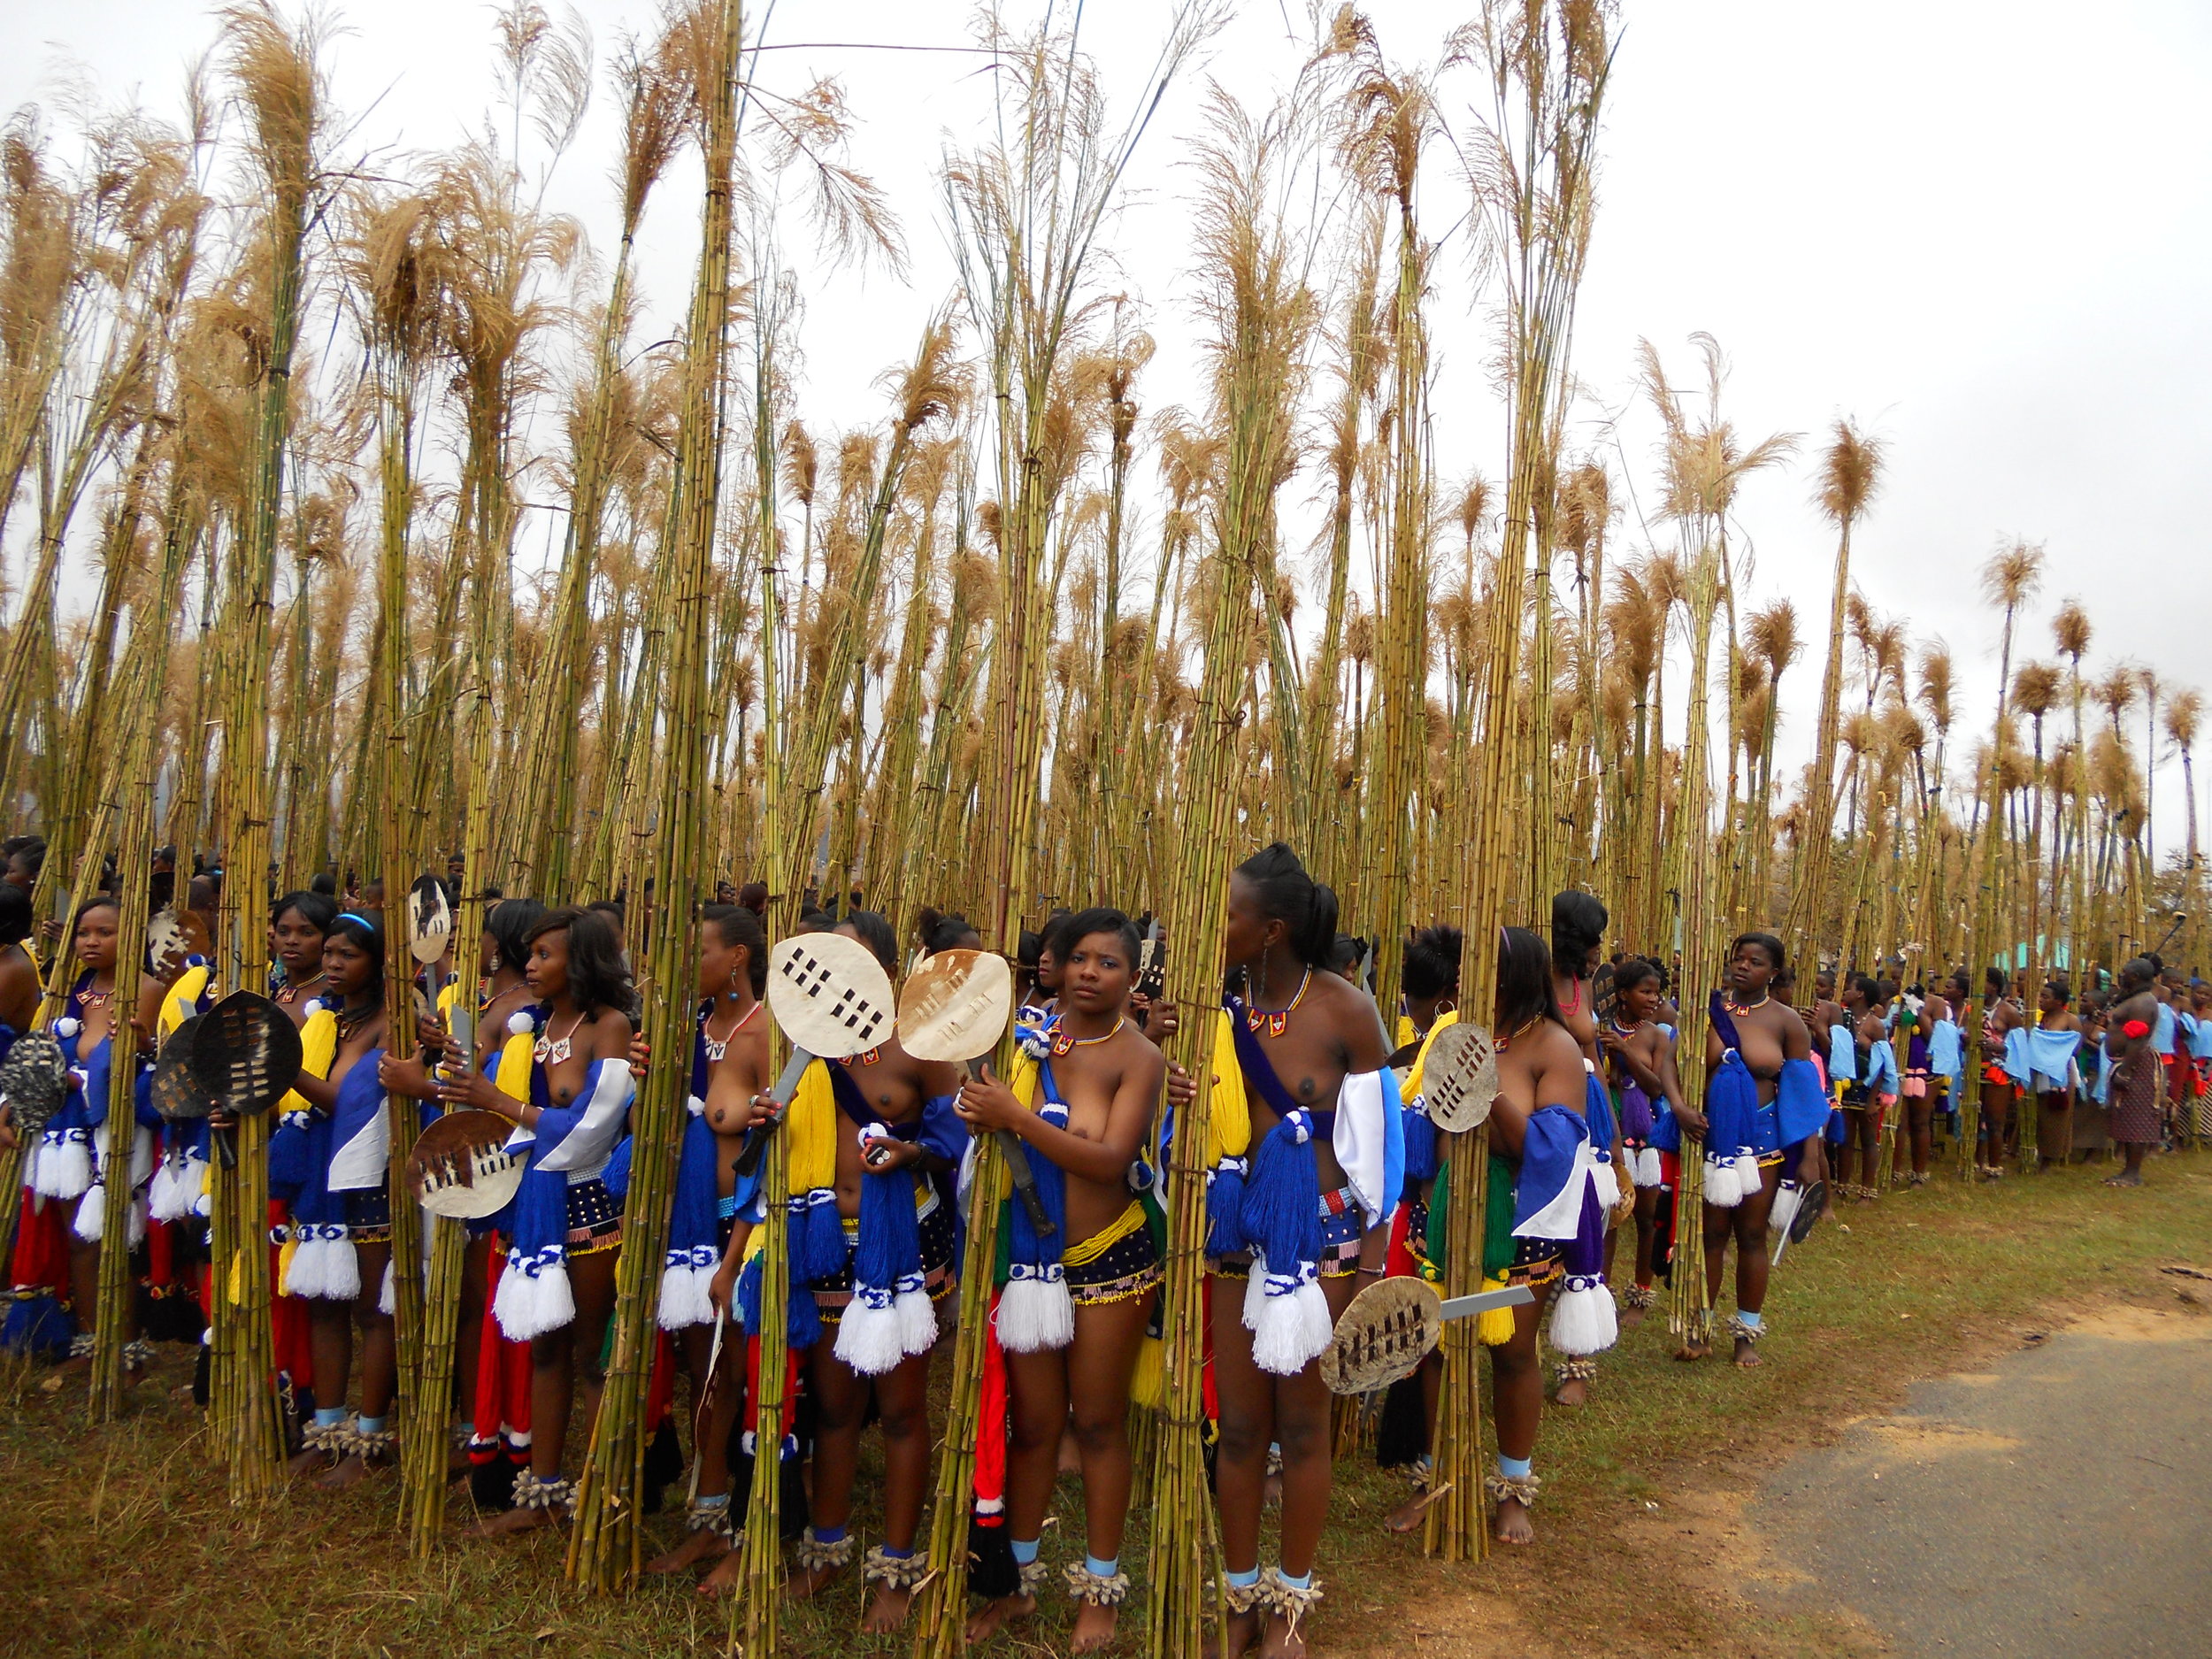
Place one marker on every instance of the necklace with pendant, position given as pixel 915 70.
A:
pixel 1063 1045
pixel 715 1050
pixel 1278 1019
pixel 1734 1007
pixel 551 1050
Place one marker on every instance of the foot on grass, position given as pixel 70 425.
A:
pixel 728 1576
pixel 809 1582
pixel 1095 1628
pixel 698 1548
pixel 1573 1391
pixel 1630 1317
pixel 1747 1354
pixel 1239 1632
pixel 1514 1525
pixel 314 1461
pixel 1407 1514
pixel 509 1522
pixel 992 1615
pixel 887 1611
pixel 350 1470
pixel 1695 1351
pixel 2123 1179
pixel 1281 1641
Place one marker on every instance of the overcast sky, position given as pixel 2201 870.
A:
pixel 1980 229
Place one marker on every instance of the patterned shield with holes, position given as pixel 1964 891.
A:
pixel 246 1054
pixel 955 1007
pixel 1384 1334
pixel 34 1081
pixel 460 1166
pixel 1460 1078
pixel 829 995
pixel 177 1094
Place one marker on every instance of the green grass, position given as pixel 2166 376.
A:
pixel 120 1541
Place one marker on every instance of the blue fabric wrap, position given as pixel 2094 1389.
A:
pixel 803 1319
pixel 1281 1212
pixel 1025 1246
pixel 890 1245
pixel 1732 1106
pixel 540 1216
pixel 1843 1056
pixel 1597 1111
pixel 1584 1256
pixel 1881 1070
pixel 1946 1050
pixel 360 1097
pixel 1801 1104
pixel 2015 1060
pixel 941 1133
pixel 693 1229
pixel 1637 1120
pixel 1420 1145
pixel 310 1199
pixel 1547 1159
pixel 7 1037
pixel 616 1174
pixel 143 1100
pixel 98 1069
pixel 2163 1033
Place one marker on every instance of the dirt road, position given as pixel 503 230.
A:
pixel 2057 1504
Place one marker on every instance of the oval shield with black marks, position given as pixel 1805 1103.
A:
pixel 829 995
pixel 246 1054
pixel 1384 1334
pixel 1459 1080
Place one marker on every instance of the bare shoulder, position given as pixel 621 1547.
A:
pixel 610 1034
pixel 1138 1058
pixel 1352 1012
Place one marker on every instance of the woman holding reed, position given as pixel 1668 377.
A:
pixel 1578 932
pixel 557 1291
pixel 1307 1160
pixel 1073 1313
pixel 2001 1016
pixel 1763 1105
pixel 1648 1097
pixel 342 1216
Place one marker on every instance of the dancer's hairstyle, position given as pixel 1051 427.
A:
pixel 1767 942
pixel 1431 966
pixel 1525 992
pixel 15 915
pixel 1577 927
pixel 875 932
pixel 597 976
pixel 511 923
pixel 740 928
pixel 2057 987
pixel 318 910
pixel 98 901
pixel 1306 907
pixel 1073 929
pixel 363 932
pixel 1634 972
pixel 946 933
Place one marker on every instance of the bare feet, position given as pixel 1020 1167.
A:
pixel 1573 1391
pixel 1281 1640
pixel 887 1611
pixel 518 1519
pixel 315 1460
pixel 1095 1628
pixel 809 1582
pixel 1693 1350
pixel 2125 1179
pixel 1632 1316
pixel 350 1470
pixel 702 1544
pixel 728 1575
pixel 1747 1354
pixel 1407 1514
pixel 1239 1632
pixel 1007 1609
pixel 1514 1525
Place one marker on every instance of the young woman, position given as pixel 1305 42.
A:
pixel 72 1157
pixel 1310 1085
pixel 1755 1038
pixel 345 1216
pixel 1577 934
pixel 1873 1082
pixel 2133 1094
pixel 2051 1072
pixel 2001 1016
pixel 874 1140
pixel 1082 1106
pixel 1648 1094
pixel 557 1291
pixel 297 927
pixel 20 988
pixel 729 1065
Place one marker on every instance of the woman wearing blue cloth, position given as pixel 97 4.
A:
pixel 1762 1098
pixel 1293 1234
pixel 354 1147
pixel 557 1292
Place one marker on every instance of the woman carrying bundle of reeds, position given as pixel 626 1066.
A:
pixel 491 1374
pixel 557 1291
pixel 1072 1314
pixel 1647 1098
pixel 1307 1151
pixel 1862 1058
pixel 1578 932
pixel 1763 1108
pixel 2001 1016
pixel 334 1159
pixel 729 1065
pixel 873 1141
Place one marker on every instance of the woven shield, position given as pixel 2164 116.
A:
pixel 429 920
pixel 1459 1080
pixel 460 1167
pixel 955 1006
pixel 1384 1335
pixel 246 1054
pixel 34 1081
pixel 829 995
pixel 177 1095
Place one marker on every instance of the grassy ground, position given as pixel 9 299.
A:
pixel 119 1542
